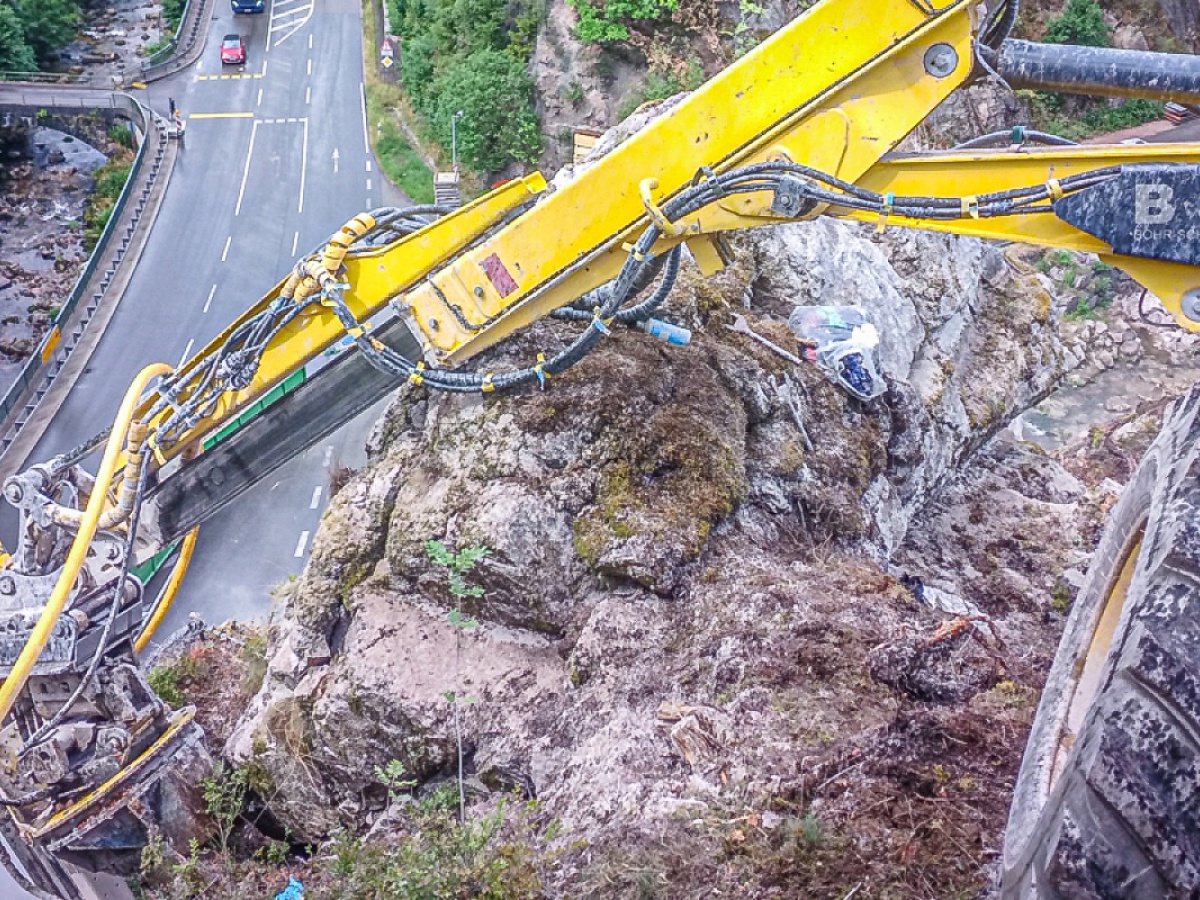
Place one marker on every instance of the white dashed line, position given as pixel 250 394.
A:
pixel 295 241
pixel 328 455
pixel 300 544
pixel 368 165
pixel 309 67
pixel 362 96
pixel 186 350
pixel 225 252
pixel 208 302
pixel 260 90
pixel 316 498
pixel 310 42
pixel 368 184
pixel 303 165
pixel 307 96
pixel 246 171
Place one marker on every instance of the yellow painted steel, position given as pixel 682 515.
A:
pixel 186 548
pixel 985 171
pixel 839 52
pixel 19 673
pixel 374 276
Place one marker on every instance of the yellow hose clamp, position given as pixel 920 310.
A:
pixel 416 377
pixel 487 383
pixel 889 201
pixel 599 324
pixel 1055 189
pixel 657 216
pixel 970 207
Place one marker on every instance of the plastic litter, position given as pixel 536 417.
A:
pixel 844 345
pixel 293 891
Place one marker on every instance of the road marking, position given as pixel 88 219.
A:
pixel 328 455
pixel 336 156
pixel 289 27
pixel 368 165
pixel 232 77
pixel 295 241
pixel 208 302
pixel 309 67
pixel 225 252
pixel 264 71
pixel 362 96
pixel 310 42
pixel 307 96
pixel 246 171
pixel 300 544
pixel 368 184
pixel 303 164
pixel 233 115
pixel 316 498
pixel 186 351
pixel 259 103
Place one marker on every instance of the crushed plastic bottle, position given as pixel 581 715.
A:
pixel 844 346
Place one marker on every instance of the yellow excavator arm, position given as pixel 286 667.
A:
pixel 803 126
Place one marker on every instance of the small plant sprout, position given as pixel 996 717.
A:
pixel 456 565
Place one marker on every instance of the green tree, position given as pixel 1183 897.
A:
pixel 15 53
pixel 418 62
pixel 49 25
pixel 495 94
pixel 1082 22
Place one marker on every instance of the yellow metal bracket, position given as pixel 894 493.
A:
pixel 647 187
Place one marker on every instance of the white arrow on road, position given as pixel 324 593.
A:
pixel 335 161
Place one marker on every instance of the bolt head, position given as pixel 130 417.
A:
pixel 1190 304
pixel 8 587
pixel 941 60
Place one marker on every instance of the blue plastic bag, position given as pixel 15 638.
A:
pixel 293 891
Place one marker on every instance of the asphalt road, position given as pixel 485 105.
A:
pixel 275 159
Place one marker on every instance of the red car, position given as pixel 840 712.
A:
pixel 233 50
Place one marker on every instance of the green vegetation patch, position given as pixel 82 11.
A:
pixel 33 31
pixel 399 161
pixel 110 180
pixel 472 58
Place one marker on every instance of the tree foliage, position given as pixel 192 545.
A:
pixel 1082 22
pixel 15 54
pixel 605 21
pixel 33 31
pixel 471 56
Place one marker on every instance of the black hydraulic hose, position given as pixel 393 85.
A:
pixel 634 314
pixel 1002 25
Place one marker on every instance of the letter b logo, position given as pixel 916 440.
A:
pixel 1154 204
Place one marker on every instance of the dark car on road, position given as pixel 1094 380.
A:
pixel 233 50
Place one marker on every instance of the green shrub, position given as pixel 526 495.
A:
pixel 1081 22
pixel 605 21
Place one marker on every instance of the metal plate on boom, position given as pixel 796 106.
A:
pixel 1151 211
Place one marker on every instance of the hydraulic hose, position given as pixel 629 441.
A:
pixel 163 605
pixel 19 674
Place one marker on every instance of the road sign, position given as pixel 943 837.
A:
pixel 386 62
pixel 385 49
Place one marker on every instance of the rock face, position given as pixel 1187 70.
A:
pixel 655 632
